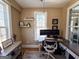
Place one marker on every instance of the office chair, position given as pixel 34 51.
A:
pixel 50 45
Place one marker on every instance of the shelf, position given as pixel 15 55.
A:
pixel 24 27
pixel 28 19
pixel 73 26
pixel 75 15
pixel 26 23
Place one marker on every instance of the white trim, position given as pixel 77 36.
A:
pixel 2 26
pixel 14 4
pixel 7 16
pixel 28 19
pixel 10 20
pixel 75 4
pixel 30 46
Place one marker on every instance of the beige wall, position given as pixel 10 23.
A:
pixel 14 4
pixel 15 23
pixel 15 17
pixel 51 13
pixel 60 13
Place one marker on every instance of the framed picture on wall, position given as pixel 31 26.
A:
pixel 55 21
pixel 54 27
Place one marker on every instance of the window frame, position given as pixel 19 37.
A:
pixel 8 24
pixel 39 27
pixel 68 18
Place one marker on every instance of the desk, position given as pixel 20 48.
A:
pixel 71 48
pixel 15 47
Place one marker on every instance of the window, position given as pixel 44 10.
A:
pixel 41 23
pixel 5 31
pixel 73 25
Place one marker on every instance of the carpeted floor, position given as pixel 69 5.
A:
pixel 38 55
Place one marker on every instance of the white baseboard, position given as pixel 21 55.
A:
pixel 30 46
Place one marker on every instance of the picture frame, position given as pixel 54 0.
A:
pixel 54 27
pixel 21 23
pixel 55 21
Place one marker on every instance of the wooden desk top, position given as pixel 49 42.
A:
pixel 73 47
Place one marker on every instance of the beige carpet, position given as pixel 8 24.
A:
pixel 38 55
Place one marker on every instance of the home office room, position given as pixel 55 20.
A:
pixel 39 29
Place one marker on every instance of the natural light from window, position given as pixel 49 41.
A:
pixel 41 23
pixel 4 22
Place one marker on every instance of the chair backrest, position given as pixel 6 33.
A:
pixel 50 44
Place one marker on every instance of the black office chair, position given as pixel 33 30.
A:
pixel 50 45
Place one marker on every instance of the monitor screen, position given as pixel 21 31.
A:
pixel 49 32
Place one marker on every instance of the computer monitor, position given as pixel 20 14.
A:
pixel 49 32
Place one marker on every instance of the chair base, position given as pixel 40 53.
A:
pixel 49 55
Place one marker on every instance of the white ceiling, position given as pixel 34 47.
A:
pixel 38 3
